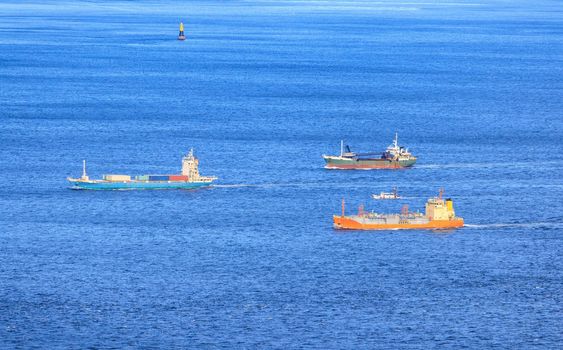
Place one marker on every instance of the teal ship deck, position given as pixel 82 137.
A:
pixel 187 180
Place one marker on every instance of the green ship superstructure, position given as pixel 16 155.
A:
pixel 188 179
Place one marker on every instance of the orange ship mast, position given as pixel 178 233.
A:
pixel 405 210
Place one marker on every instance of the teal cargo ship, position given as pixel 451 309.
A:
pixel 187 180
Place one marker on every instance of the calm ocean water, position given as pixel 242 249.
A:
pixel 261 89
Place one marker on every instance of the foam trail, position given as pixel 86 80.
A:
pixel 551 225
pixel 258 185
pixel 234 186
pixel 484 165
pixel 283 184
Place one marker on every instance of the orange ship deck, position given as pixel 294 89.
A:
pixel 345 223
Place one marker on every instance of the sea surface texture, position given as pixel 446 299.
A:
pixel 260 90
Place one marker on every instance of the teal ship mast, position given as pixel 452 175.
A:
pixel 188 179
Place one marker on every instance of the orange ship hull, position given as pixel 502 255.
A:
pixel 345 223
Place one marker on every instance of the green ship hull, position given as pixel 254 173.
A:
pixel 333 162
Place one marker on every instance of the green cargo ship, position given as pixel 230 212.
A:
pixel 188 179
pixel 394 157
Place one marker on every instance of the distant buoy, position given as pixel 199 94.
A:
pixel 181 36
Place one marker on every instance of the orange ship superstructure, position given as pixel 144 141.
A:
pixel 439 214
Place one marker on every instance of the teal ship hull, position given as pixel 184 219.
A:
pixel 138 185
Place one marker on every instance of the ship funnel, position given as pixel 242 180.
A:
pixel 181 35
pixel 450 205
pixel 450 208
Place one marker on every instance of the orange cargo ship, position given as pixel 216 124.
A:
pixel 439 214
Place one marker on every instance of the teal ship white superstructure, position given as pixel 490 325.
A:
pixel 188 179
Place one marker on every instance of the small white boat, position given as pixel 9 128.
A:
pixel 387 195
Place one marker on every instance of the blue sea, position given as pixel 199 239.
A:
pixel 261 89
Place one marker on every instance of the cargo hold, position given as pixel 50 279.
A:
pixel 178 178
pixel 158 177
pixel 117 177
